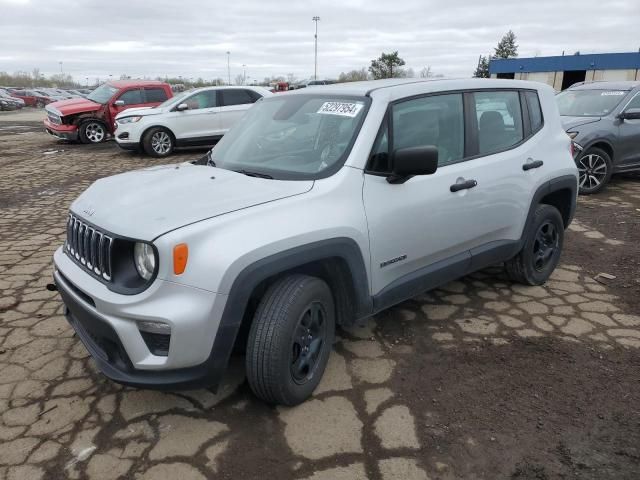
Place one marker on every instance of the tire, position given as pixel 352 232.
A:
pixel 92 131
pixel 595 169
pixel 540 254
pixel 158 142
pixel 276 359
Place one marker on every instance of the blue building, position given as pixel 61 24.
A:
pixel 563 71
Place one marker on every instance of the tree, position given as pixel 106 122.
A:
pixel 354 76
pixel 239 80
pixel 426 72
pixel 507 47
pixel 387 66
pixel 482 70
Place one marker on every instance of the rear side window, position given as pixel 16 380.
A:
pixel 132 97
pixel 155 95
pixel 535 112
pixel 499 119
pixel 236 97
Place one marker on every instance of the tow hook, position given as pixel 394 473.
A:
pixel 52 287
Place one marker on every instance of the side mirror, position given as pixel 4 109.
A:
pixel 631 114
pixel 410 161
pixel 119 103
pixel 182 107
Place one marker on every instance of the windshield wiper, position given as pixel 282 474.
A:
pixel 254 174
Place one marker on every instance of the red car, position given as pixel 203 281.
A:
pixel 31 98
pixel 91 119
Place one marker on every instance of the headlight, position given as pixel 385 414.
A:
pixel 124 120
pixel 144 259
pixel 572 135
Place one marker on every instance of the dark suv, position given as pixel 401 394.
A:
pixel 603 120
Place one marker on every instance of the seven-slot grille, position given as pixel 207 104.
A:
pixel 89 247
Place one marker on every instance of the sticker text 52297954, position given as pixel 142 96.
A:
pixel 340 108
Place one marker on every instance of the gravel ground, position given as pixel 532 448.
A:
pixel 478 379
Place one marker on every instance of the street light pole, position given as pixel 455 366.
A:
pixel 244 74
pixel 315 63
pixel 60 67
pixel 228 67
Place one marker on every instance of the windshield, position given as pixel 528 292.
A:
pixel 103 93
pixel 293 136
pixel 589 103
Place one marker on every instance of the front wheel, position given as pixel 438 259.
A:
pixel 540 254
pixel 595 169
pixel 92 131
pixel 158 142
pixel 290 340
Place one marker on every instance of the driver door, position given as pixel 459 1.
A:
pixel 200 121
pixel 132 98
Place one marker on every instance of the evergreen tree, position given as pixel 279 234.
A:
pixel 507 47
pixel 482 70
pixel 387 66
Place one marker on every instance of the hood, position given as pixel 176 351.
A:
pixel 145 204
pixel 572 122
pixel 73 106
pixel 139 111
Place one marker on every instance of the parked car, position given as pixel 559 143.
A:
pixel 91 119
pixel 318 208
pixel 31 98
pixel 9 102
pixel 603 120
pixel 196 117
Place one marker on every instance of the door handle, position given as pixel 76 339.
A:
pixel 532 164
pixel 463 185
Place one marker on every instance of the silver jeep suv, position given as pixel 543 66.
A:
pixel 321 207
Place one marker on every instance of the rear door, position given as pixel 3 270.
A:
pixel 234 102
pixel 628 149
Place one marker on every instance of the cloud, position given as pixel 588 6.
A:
pixel 190 38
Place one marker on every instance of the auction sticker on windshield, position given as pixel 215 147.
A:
pixel 616 93
pixel 340 108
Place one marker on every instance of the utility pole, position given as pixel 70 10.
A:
pixel 60 67
pixel 315 68
pixel 244 74
pixel 229 67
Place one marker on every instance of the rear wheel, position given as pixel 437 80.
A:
pixel 158 142
pixel 595 169
pixel 290 340
pixel 92 131
pixel 541 251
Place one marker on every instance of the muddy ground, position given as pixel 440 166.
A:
pixel 478 379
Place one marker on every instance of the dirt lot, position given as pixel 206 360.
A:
pixel 479 379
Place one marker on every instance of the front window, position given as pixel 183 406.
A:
pixel 103 93
pixel 589 103
pixel 293 136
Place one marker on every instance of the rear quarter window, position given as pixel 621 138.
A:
pixel 535 111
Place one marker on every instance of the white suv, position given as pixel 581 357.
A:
pixel 319 208
pixel 197 117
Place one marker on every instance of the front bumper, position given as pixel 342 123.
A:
pixel 106 323
pixel 63 132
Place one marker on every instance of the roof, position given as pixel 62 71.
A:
pixel 593 61
pixel 393 85
pixel 629 85
pixel 134 83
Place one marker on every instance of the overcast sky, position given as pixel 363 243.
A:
pixel 96 38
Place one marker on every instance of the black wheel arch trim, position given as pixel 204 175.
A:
pixel 565 182
pixel 252 275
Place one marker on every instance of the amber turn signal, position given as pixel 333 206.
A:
pixel 180 257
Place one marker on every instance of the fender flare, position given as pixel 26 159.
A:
pixel 252 275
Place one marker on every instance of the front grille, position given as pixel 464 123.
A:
pixel 89 247
pixel 53 118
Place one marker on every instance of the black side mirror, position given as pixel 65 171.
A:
pixel 410 161
pixel 631 114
